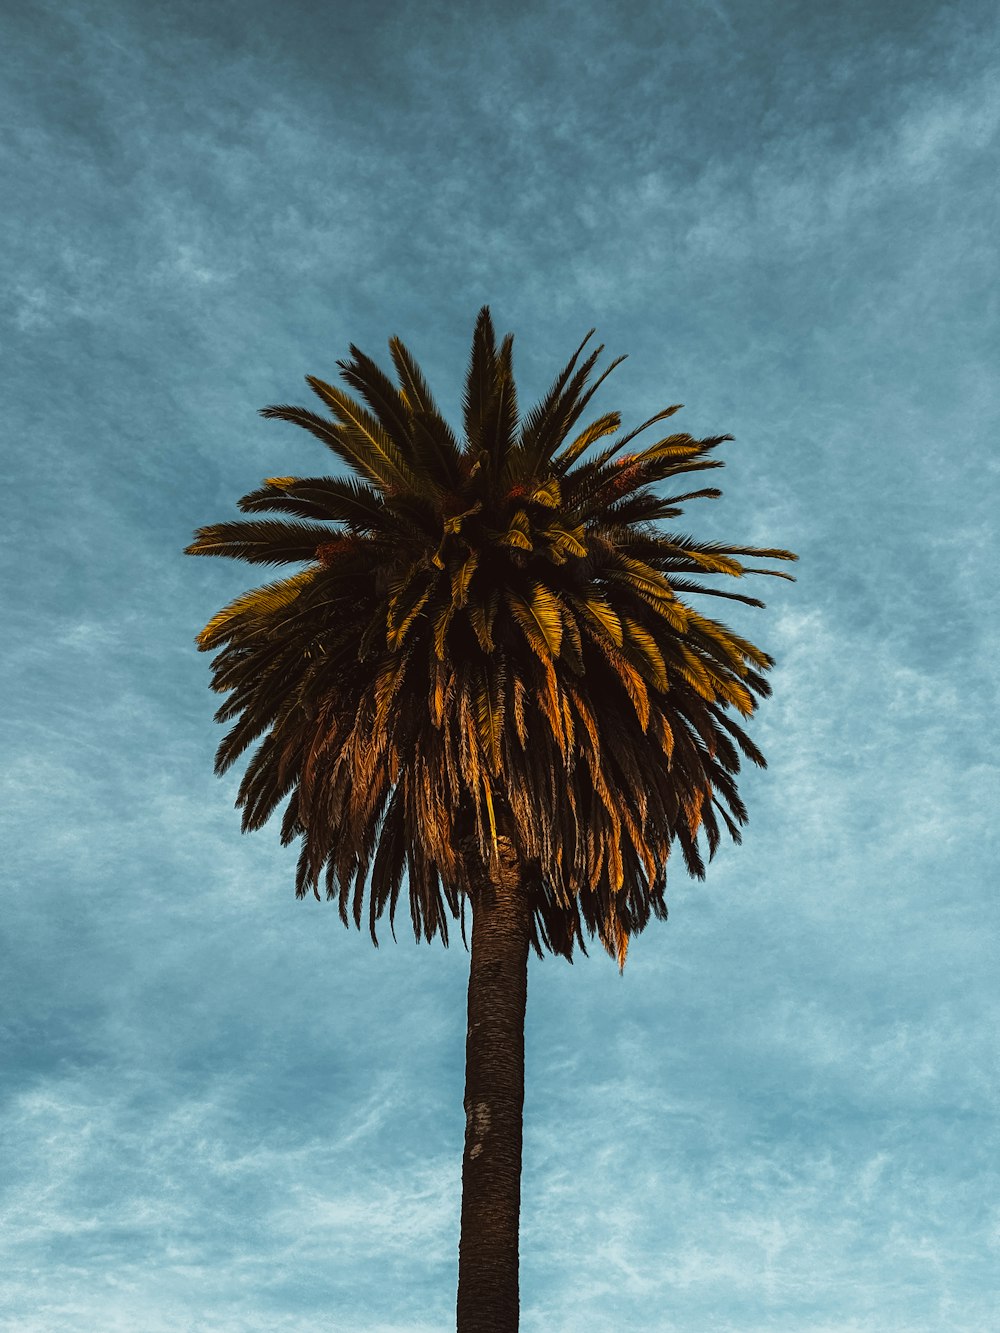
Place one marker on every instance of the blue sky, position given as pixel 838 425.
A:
pixel 220 1110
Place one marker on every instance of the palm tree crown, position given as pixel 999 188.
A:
pixel 489 639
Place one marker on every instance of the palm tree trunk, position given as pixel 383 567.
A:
pixel 494 1101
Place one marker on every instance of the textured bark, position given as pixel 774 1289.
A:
pixel 488 1297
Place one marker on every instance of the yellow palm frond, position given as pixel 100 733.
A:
pixel 548 494
pixel 539 618
pixel 489 706
pixel 605 425
pixel 462 577
pixel 518 533
pixel 566 541
pixel 694 671
pixel 519 718
pixel 646 645
pixel 492 815
pixel 599 613
pixel 481 623
pixel 376 453
pixel 404 607
pixel 736 648
pixel 258 604
pixel 442 623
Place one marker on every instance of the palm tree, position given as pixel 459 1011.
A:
pixel 486 682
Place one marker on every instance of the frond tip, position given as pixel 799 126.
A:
pixel 260 604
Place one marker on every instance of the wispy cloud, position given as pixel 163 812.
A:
pixel 221 1110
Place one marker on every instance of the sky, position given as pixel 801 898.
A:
pixel 222 1112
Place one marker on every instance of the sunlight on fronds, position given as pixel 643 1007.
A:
pixel 492 640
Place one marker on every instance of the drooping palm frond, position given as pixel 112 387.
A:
pixel 491 639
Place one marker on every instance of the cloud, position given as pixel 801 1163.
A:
pixel 222 1110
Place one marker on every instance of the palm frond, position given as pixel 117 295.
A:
pixel 255 606
pixel 480 380
pixel 597 430
pixel 437 450
pixel 364 434
pixel 261 543
pixel 600 613
pixel 498 422
pixel 342 499
pixel 391 411
pixel 539 618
